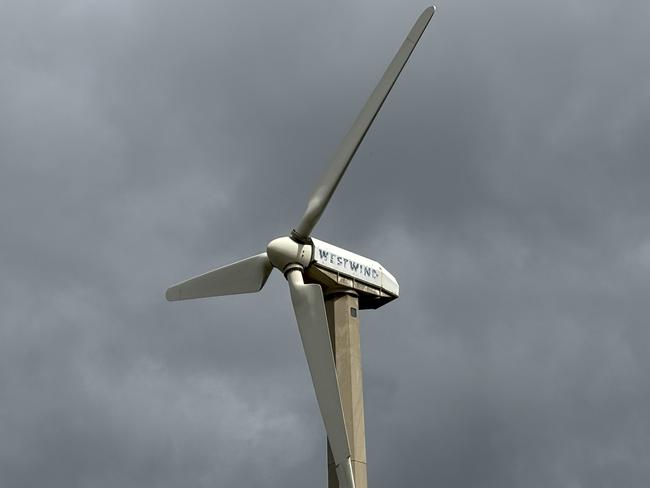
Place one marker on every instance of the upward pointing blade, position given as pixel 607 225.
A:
pixel 330 180
pixel 309 306
pixel 245 276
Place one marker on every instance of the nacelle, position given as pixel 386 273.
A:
pixel 341 268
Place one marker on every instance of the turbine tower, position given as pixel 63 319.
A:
pixel 328 285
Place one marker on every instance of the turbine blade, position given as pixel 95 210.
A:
pixel 321 195
pixel 309 307
pixel 245 276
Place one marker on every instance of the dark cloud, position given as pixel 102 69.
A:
pixel 504 183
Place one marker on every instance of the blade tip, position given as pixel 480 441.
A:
pixel 421 24
pixel 172 294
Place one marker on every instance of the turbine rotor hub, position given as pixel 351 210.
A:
pixel 284 252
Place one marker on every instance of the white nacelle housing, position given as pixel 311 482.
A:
pixel 354 266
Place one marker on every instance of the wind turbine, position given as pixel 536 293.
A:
pixel 312 266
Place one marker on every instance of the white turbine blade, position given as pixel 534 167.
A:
pixel 309 306
pixel 245 276
pixel 330 179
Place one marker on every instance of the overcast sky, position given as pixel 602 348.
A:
pixel 505 183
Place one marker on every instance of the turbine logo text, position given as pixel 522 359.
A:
pixel 362 271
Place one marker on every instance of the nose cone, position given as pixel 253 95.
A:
pixel 284 251
pixel 275 251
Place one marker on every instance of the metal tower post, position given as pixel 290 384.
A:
pixel 343 319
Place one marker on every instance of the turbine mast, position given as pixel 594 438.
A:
pixel 343 319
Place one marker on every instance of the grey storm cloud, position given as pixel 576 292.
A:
pixel 504 183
